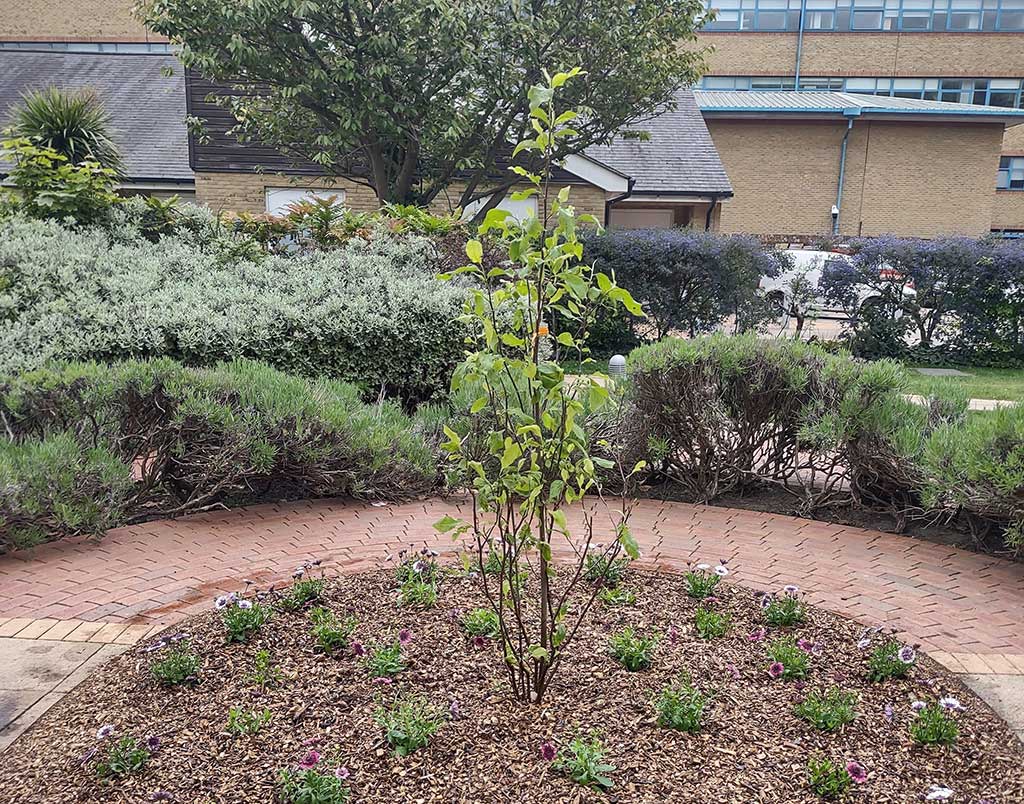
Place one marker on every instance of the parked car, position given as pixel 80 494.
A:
pixel 795 295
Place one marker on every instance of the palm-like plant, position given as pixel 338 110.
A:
pixel 72 123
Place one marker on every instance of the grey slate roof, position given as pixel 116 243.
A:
pixel 147 108
pixel 679 158
pixel 782 101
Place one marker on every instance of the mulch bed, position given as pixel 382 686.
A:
pixel 753 748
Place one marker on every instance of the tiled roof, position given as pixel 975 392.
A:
pixel 147 108
pixel 679 157
pixel 717 101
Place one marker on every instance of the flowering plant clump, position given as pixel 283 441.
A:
pixel 829 710
pixel 631 650
pixel 118 758
pixel 934 723
pixel 785 609
pixel 599 569
pixel 583 761
pixel 331 633
pixel 241 616
pixel 710 623
pixel 702 579
pixel 242 722
pixel 890 658
pixel 828 779
pixel 482 623
pixel 789 660
pixel 409 722
pixel 681 706
pixel 616 596
pixel 180 665
pixel 417 592
pixel 313 781
pixel 304 590
pixel 383 661
pixel 421 566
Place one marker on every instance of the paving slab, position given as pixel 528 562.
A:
pixel 942 372
pixel 1004 693
pixel 40 664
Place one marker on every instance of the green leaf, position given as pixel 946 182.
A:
pixel 537 652
pixel 566 339
pixel 475 251
pixel 628 542
pixel 545 551
pixel 447 523
pixel 478 405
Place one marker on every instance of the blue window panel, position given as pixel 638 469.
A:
pixel 868 15
pixel 1011 173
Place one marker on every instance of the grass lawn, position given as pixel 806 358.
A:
pixel 984 383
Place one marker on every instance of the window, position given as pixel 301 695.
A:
pixel 90 47
pixel 1011 173
pixel 868 15
pixel 280 198
pixel 1005 92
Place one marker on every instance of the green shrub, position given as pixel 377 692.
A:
pixel 311 786
pixel 242 722
pixel 827 779
pixel 54 487
pixel 934 726
pixel 890 659
pixel 385 661
pixel 720 413
pixel 331 633
pixel 583 760
pixel 482 622
pixel 829 710
pixel 789 660
pixel 601 569
pixel 244 618
pixel 370 312
pixel 301 592
pixel 232 434
pixel 711 624
pixel 616 596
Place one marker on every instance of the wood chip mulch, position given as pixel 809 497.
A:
pixel 753 748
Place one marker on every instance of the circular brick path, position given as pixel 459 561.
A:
pixel 967 609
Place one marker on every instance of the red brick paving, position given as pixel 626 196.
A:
pixel 947 599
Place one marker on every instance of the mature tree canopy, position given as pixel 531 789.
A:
pixel 421 98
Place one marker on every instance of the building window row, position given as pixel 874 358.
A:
pixel 867 15
pixel 1006 92
pixel 1011 173
pixel 90 47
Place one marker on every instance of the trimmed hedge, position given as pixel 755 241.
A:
pixel 233 434
pixel 369 312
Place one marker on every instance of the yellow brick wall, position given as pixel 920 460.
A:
pixel 1008 210
pixel 71 20
pixel 1013 141
pixel 246 192
pixel 901 178
pixel 983 55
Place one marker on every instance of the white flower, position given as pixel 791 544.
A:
pixel 791 589
pixel 105 731
pixel 917 706
pixel 704 567
pixel 949 702
pixel 299 572
pixel 221 602
pixel 245 604
pixel 938 793
pixel 721 571
pixel 907 654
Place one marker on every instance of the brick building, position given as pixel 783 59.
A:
pixel 938 150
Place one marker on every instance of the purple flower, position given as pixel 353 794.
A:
pixel 341 772
pixel 907 654
pixel 775 669
pixel 152 743
pixel 805 645
pixel 479 642
pixel 864 643
pixel 105 731
pixel 799 686
pixel 404 636
pixel 857 772
pixel 889 712
pixel 359 649
pixel 245 604
pixel 454 710
pixel 791 589
pixel 951 703
pixel 733 671
pixel 221 602
pixel 766 601
pixel 673 634
pixel 547 751
pixel 299 572
pixel 938 793
pixel 757 635
pixel 917 706
pixel 710 600
pixel 418 566
pixel 88 755
pixel 310 760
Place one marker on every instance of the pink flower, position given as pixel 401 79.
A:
pixel 805 645
pixel 547 751
pixel 479 642
pixel 733 671
pixel 310 760
pixel 384 680
pixel 359 649
pixel 342 772
pixel 757 635
pixel 404 636
pixel 775 669
pixel 857 772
